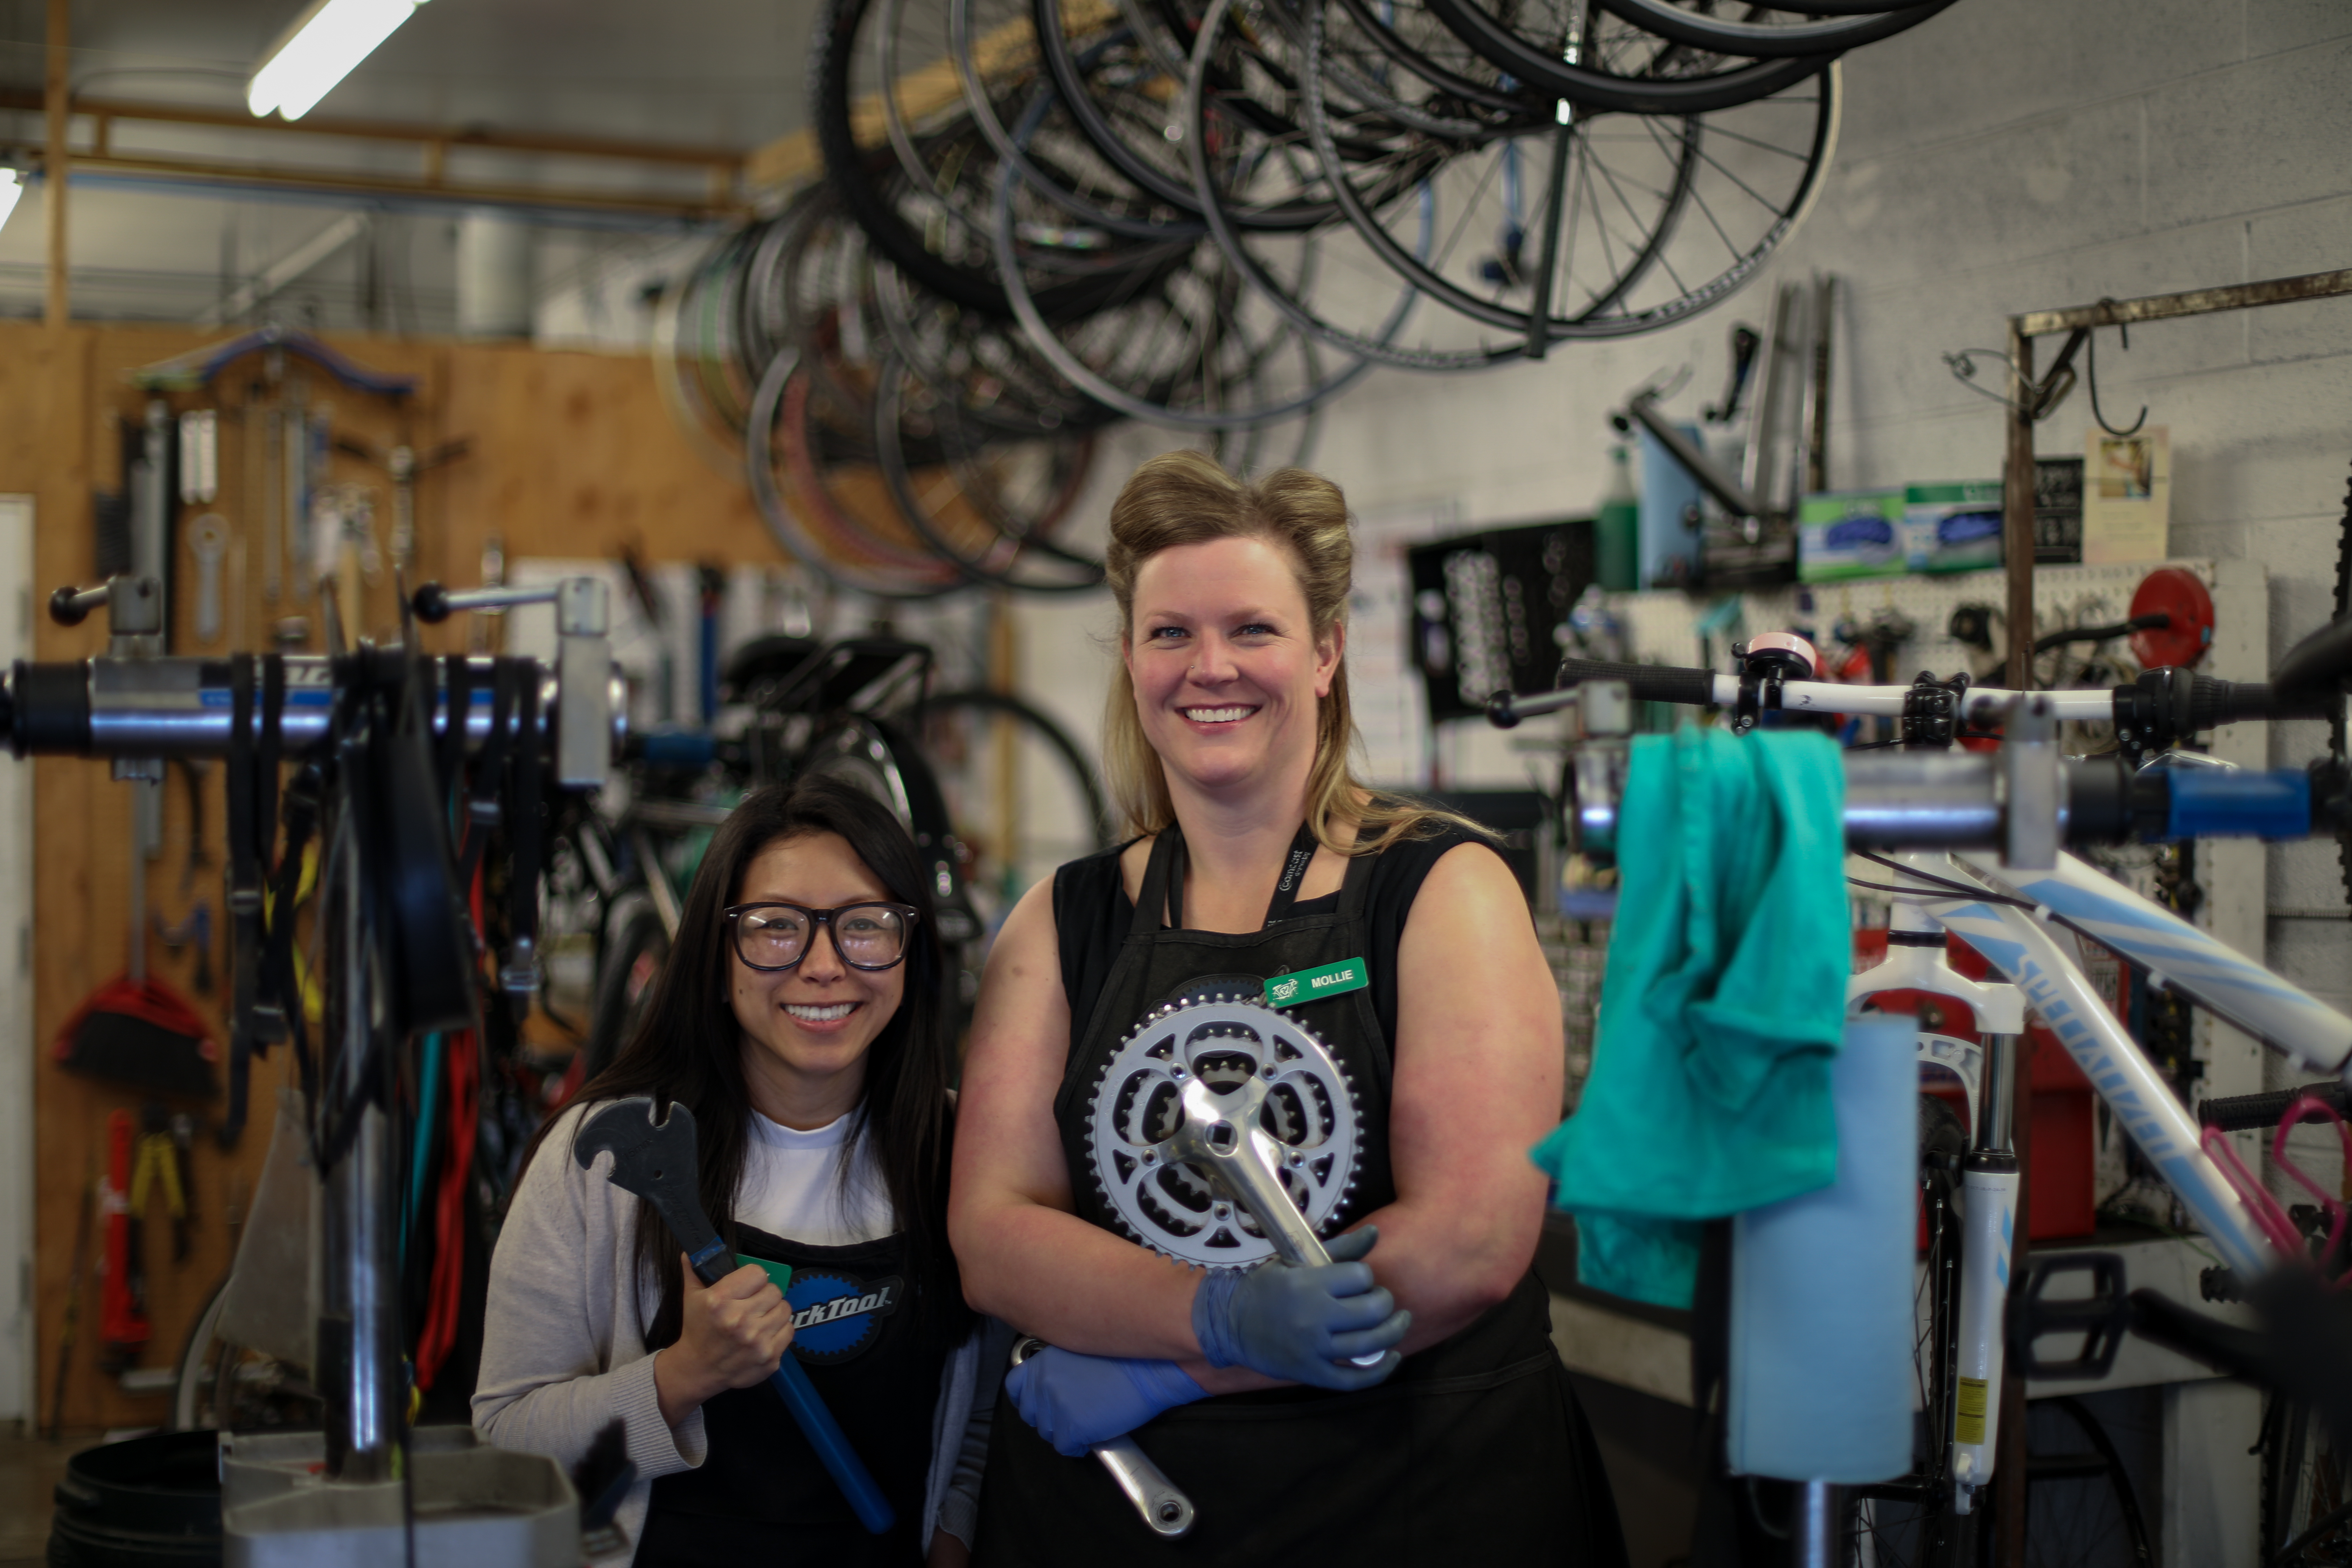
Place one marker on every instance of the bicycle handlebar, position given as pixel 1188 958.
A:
pixel 2199 700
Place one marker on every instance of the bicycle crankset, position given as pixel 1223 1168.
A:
pixel 1217 1124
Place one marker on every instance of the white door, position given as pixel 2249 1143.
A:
pixel 16 987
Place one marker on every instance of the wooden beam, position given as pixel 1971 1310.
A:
pixel 392 131
pixel 194 172
pixel 55 156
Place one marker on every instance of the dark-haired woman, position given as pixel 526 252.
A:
pixel 797 1018
pixel 1258 855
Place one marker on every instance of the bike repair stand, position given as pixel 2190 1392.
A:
pixel 1916 961
pixel 365 1491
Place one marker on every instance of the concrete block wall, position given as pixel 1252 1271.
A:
pixel 2008 155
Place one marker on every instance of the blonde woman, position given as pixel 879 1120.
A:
pixel 1257 853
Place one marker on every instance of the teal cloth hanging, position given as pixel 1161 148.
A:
pixel 1722 1005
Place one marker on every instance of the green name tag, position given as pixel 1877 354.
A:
pixel 782 1273
pixel 1314 985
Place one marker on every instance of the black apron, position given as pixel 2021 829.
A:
pixel 1474 1451
pixel 760 1494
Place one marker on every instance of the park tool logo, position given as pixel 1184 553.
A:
pixel 1314 985
pixel 836 1316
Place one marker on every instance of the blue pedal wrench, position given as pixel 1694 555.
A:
pixel 656 1159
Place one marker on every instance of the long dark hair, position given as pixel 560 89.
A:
pixel 689 1048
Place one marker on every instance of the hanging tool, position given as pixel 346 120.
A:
pixel 208 542
pixel 196 770
pixel 122 1326
pixel 195 932
pixel 294 440
pixel 403 464
pixel 649 604
pixel 200 457
pixel 157 1159
pixel 269 486
pixel 656 1159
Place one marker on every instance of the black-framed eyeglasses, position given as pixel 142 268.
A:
pixel 774 936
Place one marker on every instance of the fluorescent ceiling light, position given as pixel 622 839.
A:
pixel 319 50
pixel 12 185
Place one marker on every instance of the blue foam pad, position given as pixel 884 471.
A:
pixel 1822 1289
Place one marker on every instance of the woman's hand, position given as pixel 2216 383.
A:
pixel 947 1552
pixel 734 1334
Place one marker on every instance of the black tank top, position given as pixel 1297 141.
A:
pixel 1092 912
pixel 1473 1449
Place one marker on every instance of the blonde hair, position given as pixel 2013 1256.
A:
pixel 1186 498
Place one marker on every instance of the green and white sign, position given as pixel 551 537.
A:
pixel 1314 985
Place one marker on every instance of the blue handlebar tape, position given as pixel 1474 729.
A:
pixel 792 1383
pixel 2208 802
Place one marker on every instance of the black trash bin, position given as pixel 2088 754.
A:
pixel 142 1503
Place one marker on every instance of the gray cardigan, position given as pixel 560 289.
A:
pixel 563 1347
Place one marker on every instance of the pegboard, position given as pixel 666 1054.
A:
pixel 1662 626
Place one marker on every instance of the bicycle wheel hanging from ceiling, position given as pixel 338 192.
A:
pixel 1605 224
pixel 1615 65
pixel 1020 491
pixel 1186 345
pixel 804 524
pixel 999 447
pixel 1767 33
pixel 931 221
pixel 1329 283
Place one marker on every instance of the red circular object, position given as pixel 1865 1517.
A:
pixel 2170 590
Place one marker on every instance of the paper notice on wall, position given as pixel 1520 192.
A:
pixel 2127 496
pixel 1384 686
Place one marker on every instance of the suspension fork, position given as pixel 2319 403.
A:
pixel 1987 1236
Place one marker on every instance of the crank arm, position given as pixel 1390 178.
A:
pixel 1242 1160
pixel 1166 1510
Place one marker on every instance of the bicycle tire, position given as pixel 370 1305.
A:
pixel 1587 88
pixel 627 972
pixel 783 524
pixel 1080 205
pixel 1058 738
pixel 1028 537
pixel 1623 304
pixel 2044 1547
pixel 1178 186
pixel 1756 41
pixel 864 182
pixel 2307 1490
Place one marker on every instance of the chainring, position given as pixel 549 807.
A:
pixel 1308 1110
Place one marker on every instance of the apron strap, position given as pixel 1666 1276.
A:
pixel 1152 898
pixel 1356 892
pixel 1163 880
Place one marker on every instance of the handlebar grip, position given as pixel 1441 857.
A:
pixel 2260 1112
pixel 2213 702
pixel 1650 683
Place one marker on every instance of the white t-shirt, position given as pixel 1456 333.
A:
pixel 792 1187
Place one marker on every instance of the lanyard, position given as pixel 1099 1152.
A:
pixel 1294 861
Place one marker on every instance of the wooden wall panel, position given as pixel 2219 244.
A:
pixel 571 454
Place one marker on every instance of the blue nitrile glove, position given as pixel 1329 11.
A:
pixel 1076 1401
pixel 1303 1324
